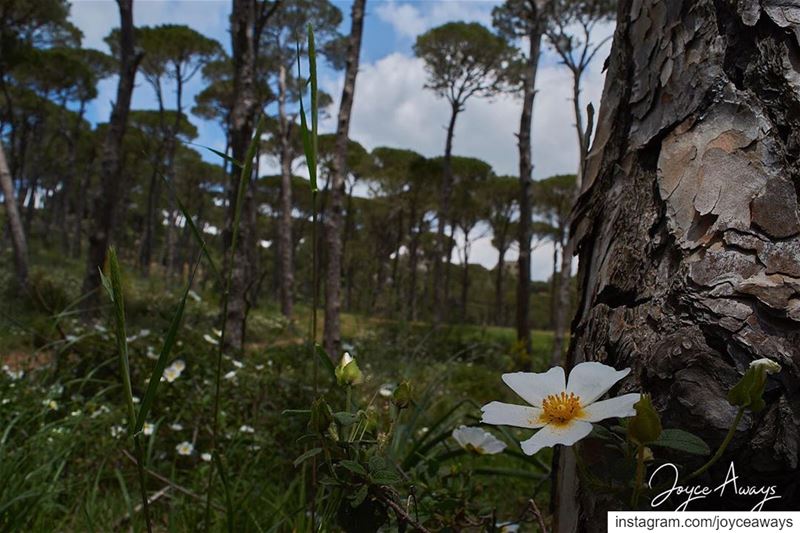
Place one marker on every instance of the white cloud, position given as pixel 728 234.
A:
pixel 409 19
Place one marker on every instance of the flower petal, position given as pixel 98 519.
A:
pixel 508 414
pixel 493 446
pixel 590 380
pixel 550 435
pixel 533 387
pixel 620 407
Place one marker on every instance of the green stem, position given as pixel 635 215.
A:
pixel 716 457
pixel 639 477
pixel 140 468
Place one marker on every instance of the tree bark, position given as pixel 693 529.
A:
pixel 105 203
pixel 241 260
pixel 446 191
pixel 333 284
pixel 14 222
pixel 285 246
pixel 525 193
pixel 688 232
pixel 498 286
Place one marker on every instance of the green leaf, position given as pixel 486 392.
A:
pixel 122 339
pixel 346 419
pixel 385 476
pixel 326 361
pixel 224 156
pixel 307 455
pixel 678 439
pixel 354 467
pixel 359 496
pixel 166 349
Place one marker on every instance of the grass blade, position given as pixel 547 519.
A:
pixel 114 287
pixel 223 155
pixel 166 349
pixel 310 137
pixel 226 488
pixel 195 231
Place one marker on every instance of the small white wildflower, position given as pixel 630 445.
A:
pixel 117 431
pixel 206 457
pixel 209 339
pixel 230 375
pixel 5 401
pixel 13 374
pixel 171 374
pixel 477 440
pixel 176 427
pixel 51 404
pixel 148 428
pixel 184 448
pixel 76 412
pixel 194 296
pixel 100 411
pixel 247 429
pixel 238 364
pixel 386 390
pixel 179 365
pixel 135 399
pixel 259 367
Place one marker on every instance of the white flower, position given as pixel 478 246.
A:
pixel 237 364
pixel 206 457
pixel 50 404
pixel 194 296
pixel 151 353
pixel 209 339
pixel 13 374
pixel 230 375
pixel 76 412
pixel 179 365
pixel 386 390
pixel 184 448
pixel 136 399
pixel 148 428
pixel 259 367
pixel 247 429
pixel 564 411
pixel 176 427
pixel 171 373
pixel 116 431
pixel 478 440
pixel 100 410
pixel 769 366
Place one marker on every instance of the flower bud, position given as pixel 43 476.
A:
pixel 347 371
pixel 646 425
pixel 402 395
pixel 749 390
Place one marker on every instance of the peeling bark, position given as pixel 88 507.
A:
pixel 687 229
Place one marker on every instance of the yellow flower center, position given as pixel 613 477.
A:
pixel 560 409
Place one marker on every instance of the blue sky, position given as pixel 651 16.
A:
pixel 391 106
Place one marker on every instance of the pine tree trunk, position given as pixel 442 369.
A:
pixel 333 283
pixel 498 286
pixel 18 241
pixel 105 203
pixel 442 265
pixel 688 232
pixel 525 193
pixel 242 122
pixel 285 247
